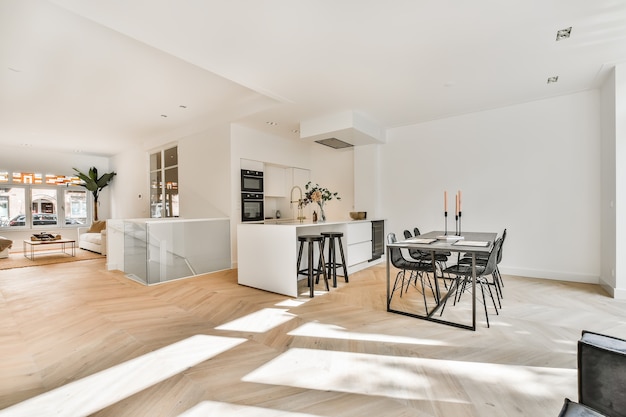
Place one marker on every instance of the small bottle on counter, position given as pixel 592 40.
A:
pixel 314 216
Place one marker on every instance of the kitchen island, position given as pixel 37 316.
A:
pixel 267 253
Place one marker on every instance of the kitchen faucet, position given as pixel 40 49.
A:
pixel 299 201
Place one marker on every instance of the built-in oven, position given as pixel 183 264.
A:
pixel 251 181
pixel 251 207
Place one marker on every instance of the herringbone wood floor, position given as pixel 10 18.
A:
pixel 339 354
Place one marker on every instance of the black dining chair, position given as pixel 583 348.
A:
pixel 481 259
pixel 463 274
pixel 417 270
pixel 441 257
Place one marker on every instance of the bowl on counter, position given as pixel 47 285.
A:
pixel 358 215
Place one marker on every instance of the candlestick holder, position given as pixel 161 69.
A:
pixel 459 223
pixel 445 215
pixel 456 224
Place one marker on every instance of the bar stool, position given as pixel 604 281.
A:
pixel 332 264
pixel 311 271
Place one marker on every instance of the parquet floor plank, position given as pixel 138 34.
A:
pixel 338 354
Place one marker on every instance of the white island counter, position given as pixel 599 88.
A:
pixel 267 253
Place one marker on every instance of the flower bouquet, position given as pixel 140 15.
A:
pixel 320 195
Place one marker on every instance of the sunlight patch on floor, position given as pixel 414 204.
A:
pixel 330 331
pixel 292 302
pixel 259 322
pixel 212 408
pixel 408 377
pixel 95 392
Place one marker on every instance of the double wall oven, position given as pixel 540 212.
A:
pixel 251 195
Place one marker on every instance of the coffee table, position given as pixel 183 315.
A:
pixel 30 245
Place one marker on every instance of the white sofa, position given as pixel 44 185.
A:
pixel 93 238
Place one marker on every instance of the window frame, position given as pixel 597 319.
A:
pixel 61 210
pixel 158 174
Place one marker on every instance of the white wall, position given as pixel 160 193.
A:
pixel 607 187
pixel 130 190
pixel 367 177
pixel 532 168
pixel 334 169
pixel 620 179
pixel 204 174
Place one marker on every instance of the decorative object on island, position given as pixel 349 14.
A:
pixel 95 185
pixel 358 215
pixel 320 195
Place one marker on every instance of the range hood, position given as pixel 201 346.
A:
pixel 334 143
pixel 342 130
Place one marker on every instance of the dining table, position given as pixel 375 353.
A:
pixel 466 244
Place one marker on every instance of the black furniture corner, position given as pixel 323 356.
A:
pixel 602 373
pixel 601 377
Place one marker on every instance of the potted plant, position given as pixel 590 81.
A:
pixel 95 184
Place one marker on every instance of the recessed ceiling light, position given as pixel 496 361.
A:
pixel 295 131
pixel 182 106
pixel 272 123
pixel 14 69
pixel 164 115
pixel 563 33
pixel 553 79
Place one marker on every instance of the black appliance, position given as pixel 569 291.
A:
pixel 251 181
pixel 251 207
pixel 378 239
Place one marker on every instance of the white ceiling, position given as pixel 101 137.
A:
pixel 95 75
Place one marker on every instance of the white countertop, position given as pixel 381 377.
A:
pixel 292 222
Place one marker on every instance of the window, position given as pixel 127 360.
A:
pixel 164 183
pixel 30 200
pixel 12 206
pixel 75 206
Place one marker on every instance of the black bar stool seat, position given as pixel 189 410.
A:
pixel 332 263
pixel 311 271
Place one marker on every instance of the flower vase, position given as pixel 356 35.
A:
pixel 322 216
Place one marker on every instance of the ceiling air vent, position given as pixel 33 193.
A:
pixel 334 143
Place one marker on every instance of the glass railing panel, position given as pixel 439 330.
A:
pixel 136 250
pixel 156 251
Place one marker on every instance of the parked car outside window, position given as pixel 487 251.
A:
pixel 40 219
pixel 18 220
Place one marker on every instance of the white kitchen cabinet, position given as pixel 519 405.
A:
pixel 359 242
pixel 251 165
pixel 359 252
pixel 275 184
